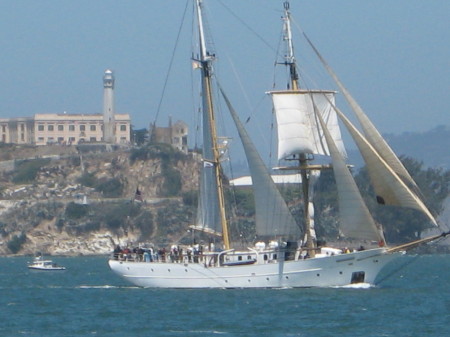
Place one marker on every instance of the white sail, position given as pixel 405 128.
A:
pixel 208 213
pixel 370 132
pixel 272 215
pixel 389 188
pixel 390 179
pixel 297 126
pixel 356 221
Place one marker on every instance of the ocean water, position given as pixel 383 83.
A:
pixel 88 300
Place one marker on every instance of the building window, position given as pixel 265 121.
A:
pixel 60 140
pixel 60 127
pixel 22 127
pixel 92 139
pixel 40 127
pixel 22 137
pixel 50 127
pixel 93 128
pixel 82 127
pixel 123 128
pixel 71 139
pixel 40 139
pixel 3 128
pixel 71 127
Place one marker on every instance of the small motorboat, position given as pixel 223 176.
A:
pixel 40 264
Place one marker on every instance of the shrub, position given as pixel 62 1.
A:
pixel 118 215
pixel 86 228
pixel 76 211
pixel 145 223
pixel 111 188
pixel 27 170
pixel 190 198
pixel 15 244
pixel 172 182
pixel 88 179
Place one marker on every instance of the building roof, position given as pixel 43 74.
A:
pixel 78 117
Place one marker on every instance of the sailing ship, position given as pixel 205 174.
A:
pixel 285 254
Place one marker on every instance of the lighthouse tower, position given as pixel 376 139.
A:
pixel 108 108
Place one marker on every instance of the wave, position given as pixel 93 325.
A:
pixel 106 286
pixel 209 332
pixel 357 286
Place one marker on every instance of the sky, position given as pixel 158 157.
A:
pixel 393 56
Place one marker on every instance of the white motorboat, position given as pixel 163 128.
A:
pixel 39 263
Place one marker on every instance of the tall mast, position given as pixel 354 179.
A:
pixel 303 159
pixel 206 60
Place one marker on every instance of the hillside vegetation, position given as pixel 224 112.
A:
pixel 69 201
pixel 76 202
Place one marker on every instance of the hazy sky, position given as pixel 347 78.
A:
pixel 393 56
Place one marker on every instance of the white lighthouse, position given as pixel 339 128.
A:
pixel 108 107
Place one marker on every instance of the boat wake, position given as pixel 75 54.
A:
pixel 357 286
pixel 210 332
pixel 106 286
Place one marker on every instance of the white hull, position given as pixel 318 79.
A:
pixel 46 268
pixel 40 264
pixel 329 271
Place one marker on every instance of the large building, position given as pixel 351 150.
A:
pixel 50 128
pixel 175 134
pixel 17 130
pixel 75 129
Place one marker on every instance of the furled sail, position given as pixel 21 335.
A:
pixel 208 216
pixel 370 132
pixel 356 221
pixel 298 128
pixel 272 215
pixel 389 188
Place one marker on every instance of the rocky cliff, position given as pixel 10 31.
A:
pixel 83 200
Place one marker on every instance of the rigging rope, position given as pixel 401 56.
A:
pixel 169 69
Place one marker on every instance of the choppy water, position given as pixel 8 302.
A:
pixel 88 300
